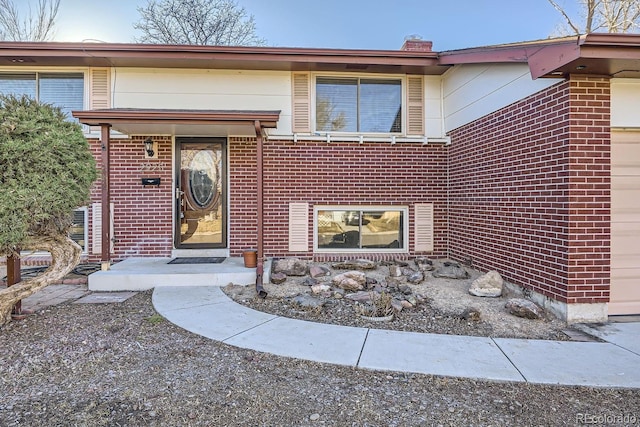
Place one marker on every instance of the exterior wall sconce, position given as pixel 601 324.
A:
pixel 148 148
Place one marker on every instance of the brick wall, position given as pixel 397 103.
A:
pixel 142 224
pixel 529 192
pixel 317 173
pixel 332 174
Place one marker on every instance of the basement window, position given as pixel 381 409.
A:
pixel 361 229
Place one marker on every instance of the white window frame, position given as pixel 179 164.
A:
pixel 85 210
pixel 405 232
pixel 403 99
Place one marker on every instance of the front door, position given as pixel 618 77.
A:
pixel 201 221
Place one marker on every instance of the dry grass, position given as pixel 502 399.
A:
pixel 108 364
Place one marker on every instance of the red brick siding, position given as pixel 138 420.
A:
pixel 142 216
pixel 589 191
pixel 529 192
pixel 332 174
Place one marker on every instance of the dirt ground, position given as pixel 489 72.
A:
pixel 122 364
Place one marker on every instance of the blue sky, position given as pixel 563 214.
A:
pixel 350 24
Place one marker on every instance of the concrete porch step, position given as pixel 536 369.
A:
pixel 140 274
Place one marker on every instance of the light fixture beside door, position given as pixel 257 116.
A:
pixel 150 148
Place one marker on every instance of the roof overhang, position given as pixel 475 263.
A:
pixel 218 57
pixel 613 55
pixel 179 122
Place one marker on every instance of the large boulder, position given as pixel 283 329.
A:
pixel 291 266
pixel 451 270
pixel 350 280
pixel 489 285
pixel 524 308
pixel 356 264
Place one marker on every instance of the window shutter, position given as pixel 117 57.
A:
pixel 415 105
pixel 96 233
pixel 423 217
pixel 298 227
pixel 301 102
pixel 99 88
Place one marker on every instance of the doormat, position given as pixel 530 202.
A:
pixel 197 260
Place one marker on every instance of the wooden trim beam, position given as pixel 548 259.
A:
pixel 106 197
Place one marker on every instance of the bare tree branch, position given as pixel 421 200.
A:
pixel 613 16
pixel 37 26
pixel 557 7
pixel 196 22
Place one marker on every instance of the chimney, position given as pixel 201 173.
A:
pixel 415 43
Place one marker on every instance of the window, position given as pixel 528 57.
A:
pixel 64 90
pixel 78 231
pixel 366 105
pixel 374 229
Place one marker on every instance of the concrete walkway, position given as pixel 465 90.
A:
pixel 207 311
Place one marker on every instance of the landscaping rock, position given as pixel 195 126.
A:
pixel 318 289
pixel 405 290
pixel 307 301
pixel 406 304
pixel 489 285
pixel 309 281
pixel 471 313
pixel 424 264
pixel 361 296
pixel 356 264
pixel 291 266
pixel 415 277
pixel 371 283
pixel 395 270
pixel 319 271
pixel 350 281
pixel 401 262
pixel 524 308
pixel 451 270
pixel 278 278
pixel 397 305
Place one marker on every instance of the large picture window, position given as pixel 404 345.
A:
pixel 364 105
pixel 370 229
pixel 64 90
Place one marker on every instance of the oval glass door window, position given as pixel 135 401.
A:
pixel 202 179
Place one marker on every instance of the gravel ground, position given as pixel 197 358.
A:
pixel 122 364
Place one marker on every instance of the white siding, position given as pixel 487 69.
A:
pixel 434 124
pixel 625 103
pixel 205 89
pixel 475 90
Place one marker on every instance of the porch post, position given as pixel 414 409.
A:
pixel 106 197
pixel 14 277
pixel 259 186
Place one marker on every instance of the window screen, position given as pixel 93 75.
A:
pixel 64 90
pixel 358 105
